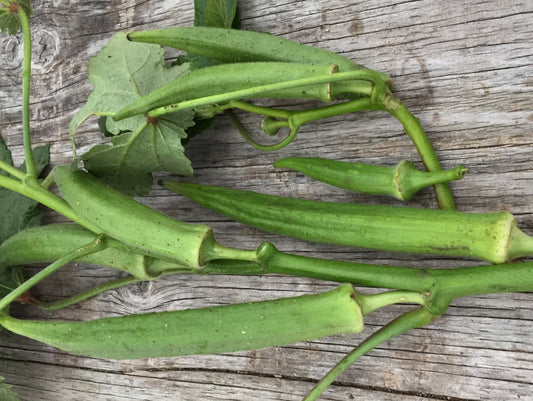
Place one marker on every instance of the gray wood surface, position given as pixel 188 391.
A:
pixel 464 68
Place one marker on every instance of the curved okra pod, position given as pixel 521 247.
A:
pixel 494 237
pixel 402 181
pixel 236 46
pixel 130 222
pixel 202 331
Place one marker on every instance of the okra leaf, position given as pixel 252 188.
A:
pixel 9 21
pixel 121 73
pixel 215 13
pixel 18 212
pixel 128 163
pixel 6 393
pixel 10 278
pixel 5 156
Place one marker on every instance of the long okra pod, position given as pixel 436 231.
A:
pixel 236 46
pixel 148 231
pixel 494 237
pixel 202 331
pixel 402 181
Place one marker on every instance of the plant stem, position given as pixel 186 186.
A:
pixel 410 320
pixel 370 303
pixel 32 189
pixel 15 172
pixel 441 285
pixel 414 130
pixel 82 296
pixel 94 246
pixel 253 108
pixel 26 78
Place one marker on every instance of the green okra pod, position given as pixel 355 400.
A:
pixel 237 46
pixel 45 244
pixel 202 331
pixel 402 181
pixel 494 237
pixel 232 77
pixel 148 231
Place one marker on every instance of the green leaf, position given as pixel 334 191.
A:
pixel 121 73
pixel 215 13
pixel 9 21
pixel 18 212
pixel 5 155
pixel 10 278
pixel 6 393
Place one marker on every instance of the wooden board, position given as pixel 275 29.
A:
pixel 463 68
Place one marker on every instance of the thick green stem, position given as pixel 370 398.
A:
pixel 94 246
pixel 416 132
pixel 26 78
pixel 413 319
pixel 15 172
pixel 370 303
pixel 32 189
pixel 441 284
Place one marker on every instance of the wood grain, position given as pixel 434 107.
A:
pixel 464 68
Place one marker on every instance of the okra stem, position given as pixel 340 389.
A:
pixel 15 172
pixel 418 136
pixel 26 79
pixel 32 189
pixel 410 320
pixel 370 303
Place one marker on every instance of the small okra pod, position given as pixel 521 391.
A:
pixel 494 236
pixel 232 77
pixel 402 181
pixel 236 46
pixel 144 229
pixel 211 330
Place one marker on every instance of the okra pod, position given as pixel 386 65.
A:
pixel 402 181
pixel 236 46
pixel 494 236
pixel 202 331
pixel 45 244
pixel 148 231
pixel 232 77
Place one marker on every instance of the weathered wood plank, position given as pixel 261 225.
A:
pixel 463 69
